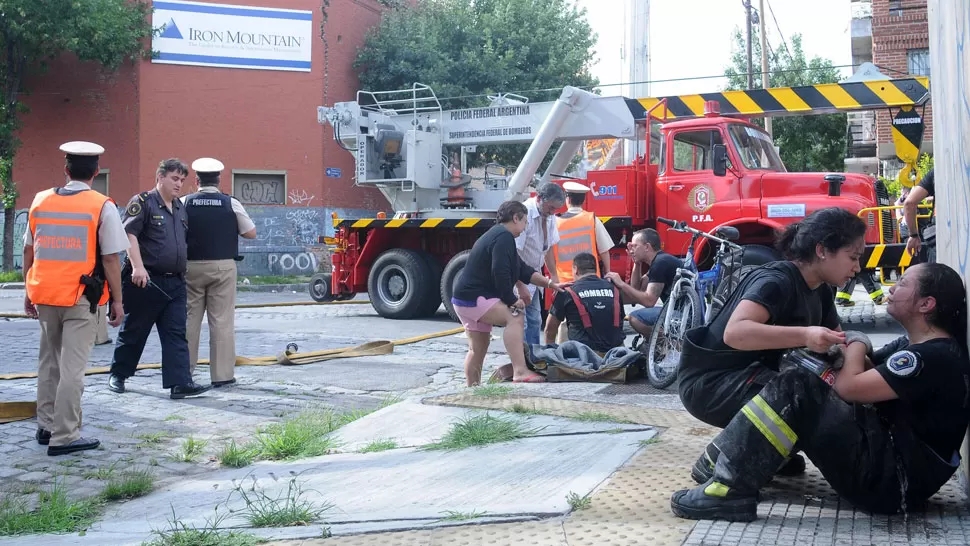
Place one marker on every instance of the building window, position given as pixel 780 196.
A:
pixel 259 187
pixel 100 182
pixel 918 62
pixel 896 7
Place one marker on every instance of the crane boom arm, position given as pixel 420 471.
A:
pixel 790 101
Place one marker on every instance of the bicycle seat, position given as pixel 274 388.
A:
pixel 727 232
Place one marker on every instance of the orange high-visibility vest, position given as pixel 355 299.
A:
pixel 576 234
pixel 65 235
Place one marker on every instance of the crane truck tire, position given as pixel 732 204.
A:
pixel 319 287
pixel 433 303
pixel 398 284
pixel 449 278
pixel 760 254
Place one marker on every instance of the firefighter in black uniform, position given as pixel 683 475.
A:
pixel 780 305
pixel 590 306
pixel 886 438
pixel 927 232
pixel 153 284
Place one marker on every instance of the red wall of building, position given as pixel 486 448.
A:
pixel 72 100
pixel 249 119
pixel 892 36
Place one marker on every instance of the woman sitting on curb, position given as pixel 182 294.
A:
pixel 485 295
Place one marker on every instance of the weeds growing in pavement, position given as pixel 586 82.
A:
pixel 189 450
pixel 54 513
pixel 479 430
pixel 650 441
pixel 130 484
pixel 235 456
pixel 596 417
pixel 102 473
pixel 521 409
pixel 287 509
pixel 451 515
pixel 305 435
pixel 578 503
pixel 492 391
pixel 178 534
pixel 154 438
pixel 175 417
pixel 379 445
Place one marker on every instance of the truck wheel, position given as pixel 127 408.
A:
pixel 449 279
pixel 434 297
pixel 398 285
pixel 760 254
pixel 319 287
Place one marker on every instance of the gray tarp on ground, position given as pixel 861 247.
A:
pixel 576 355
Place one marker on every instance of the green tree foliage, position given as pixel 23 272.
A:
pixel 807 142
pixel 33 32
pixel 466 49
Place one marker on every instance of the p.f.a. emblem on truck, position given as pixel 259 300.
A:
pixel 701 199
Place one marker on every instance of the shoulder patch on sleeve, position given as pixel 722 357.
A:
pixel 904 364
pixel 134 209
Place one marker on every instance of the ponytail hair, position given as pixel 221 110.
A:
pixel 942 283
pixel 833 228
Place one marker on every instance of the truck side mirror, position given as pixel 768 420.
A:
pixel 720 159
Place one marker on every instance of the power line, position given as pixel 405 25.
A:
pixel 668 80
pixel 785 42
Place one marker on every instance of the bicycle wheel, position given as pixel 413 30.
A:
pixel 666 342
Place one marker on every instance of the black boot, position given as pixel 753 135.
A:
pixel 116 383
pixel 715 500
pixel 703 469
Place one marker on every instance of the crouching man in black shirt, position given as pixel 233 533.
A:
pixel 591 308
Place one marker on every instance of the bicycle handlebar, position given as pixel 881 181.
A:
pixel 682 226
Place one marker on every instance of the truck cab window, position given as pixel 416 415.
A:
pixel 755 147
pixel 692 149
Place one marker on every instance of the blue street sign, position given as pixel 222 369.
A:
pixel 333 172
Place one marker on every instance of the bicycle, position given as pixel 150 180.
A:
pixel 683 309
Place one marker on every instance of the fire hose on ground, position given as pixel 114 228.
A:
pixel 16 411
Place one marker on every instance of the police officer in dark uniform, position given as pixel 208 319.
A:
pixel 153 284
pixel 216 221
pixel 590 306
pixel 886 438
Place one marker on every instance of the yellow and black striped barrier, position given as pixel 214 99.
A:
pixel 779 101
pixel 887 255
pixel 453 223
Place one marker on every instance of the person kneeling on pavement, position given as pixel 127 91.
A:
pixel 885 431
pixel 593 312
pixel 484 295
pixel 590 306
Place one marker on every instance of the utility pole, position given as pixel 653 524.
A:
pixel 747 12
pixel 765 84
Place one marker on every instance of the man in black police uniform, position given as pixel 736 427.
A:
pixel 153 284
pixel 591 308
pixel 926 188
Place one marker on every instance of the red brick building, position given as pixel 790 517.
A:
pixel 900 46
pixel 261 124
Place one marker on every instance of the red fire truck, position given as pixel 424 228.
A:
pixel 706 164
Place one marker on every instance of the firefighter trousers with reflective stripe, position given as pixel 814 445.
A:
pixel 845 293
pixel 848 443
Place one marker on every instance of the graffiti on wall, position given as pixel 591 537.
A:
pixel 950 68
pixel 300 198
pixel 262 192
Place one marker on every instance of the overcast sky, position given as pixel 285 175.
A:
pixel 692 38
